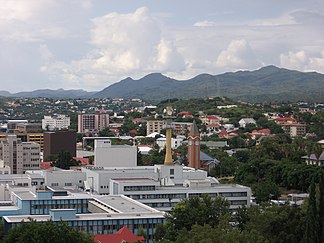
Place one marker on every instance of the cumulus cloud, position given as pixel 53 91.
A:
pixel 303 61
pixel 238 55
pixel 72 44
pixel 124 45
pixel 21 10
pixel 45 53
pixel 204 23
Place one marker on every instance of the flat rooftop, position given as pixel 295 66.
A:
pixel 86 217
pixel 123 204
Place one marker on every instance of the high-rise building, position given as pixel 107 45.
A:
pixel 55 142
pixel 95 122
pixel 19 156
pixel 57 122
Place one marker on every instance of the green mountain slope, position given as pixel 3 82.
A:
pixel 266 84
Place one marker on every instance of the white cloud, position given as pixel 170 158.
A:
pixel 204 23
pixel 73 44
pixel 238 55
pixel 124 45
pixel 45 53
pixel 21 10
pixel 303 61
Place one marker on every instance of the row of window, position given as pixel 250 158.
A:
pixel 158 196
pixel 183 195
pixel 233 194
pixel 139 188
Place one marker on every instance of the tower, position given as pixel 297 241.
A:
pixel 194 147
pixel 168 126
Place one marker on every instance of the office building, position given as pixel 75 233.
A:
pixel 57 122
pixel 19 156
pixel 162 186
pixel 89 213
pixel 108 155
pixel 58 141
pixel 95 122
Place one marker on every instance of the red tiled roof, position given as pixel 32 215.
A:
pixel 213 125
pixel 284 119
pixel 46 165
pixel 84 161
pixel 212 117
pixel 124 234
pixel 184 113
pixel 223 133
pixel 263 131
pixel 133 131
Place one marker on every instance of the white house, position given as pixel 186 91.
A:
pixel 245 121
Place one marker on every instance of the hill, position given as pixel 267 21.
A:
pixel 266 84
pixel 48 93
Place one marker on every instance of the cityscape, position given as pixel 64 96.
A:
pixel 161 122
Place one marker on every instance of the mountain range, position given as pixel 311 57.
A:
pixel 269 83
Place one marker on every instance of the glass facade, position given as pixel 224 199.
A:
pixel 111 226
pixel 43 206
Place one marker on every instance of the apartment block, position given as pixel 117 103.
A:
pixel 95 122
pixel 154 126
pixel 19 156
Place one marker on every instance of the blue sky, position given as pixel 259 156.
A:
pixel 90 44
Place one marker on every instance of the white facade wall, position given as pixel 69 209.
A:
pixel 64 178
pixel 4 169
pixel 107 155
pixel 31 156
pixel 161 194
pixel 98 179
pixel 58 122
pixel 175 142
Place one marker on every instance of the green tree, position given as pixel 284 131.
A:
pixel 277 224
pixel 321 208
pixel 46 232
pixel 106 133
pixel 64 160
pixel 312 226
pixel 196 210
pixel 265 190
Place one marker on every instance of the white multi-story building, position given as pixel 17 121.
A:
pixel 57 122
pixel 108 155
pixel 4 169
pixel 175 142
pixel 93 122
pixel 161 186
pixel 19 156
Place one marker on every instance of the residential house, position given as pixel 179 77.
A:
pixel 246 121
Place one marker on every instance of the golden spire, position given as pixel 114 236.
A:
pixel 168 153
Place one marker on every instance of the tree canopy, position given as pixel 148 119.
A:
pixel 46 232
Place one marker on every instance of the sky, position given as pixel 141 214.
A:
pixel 91 44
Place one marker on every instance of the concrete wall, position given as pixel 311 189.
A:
pixel 63 178
pixel 107 155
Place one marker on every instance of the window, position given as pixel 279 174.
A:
pixel 171 171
